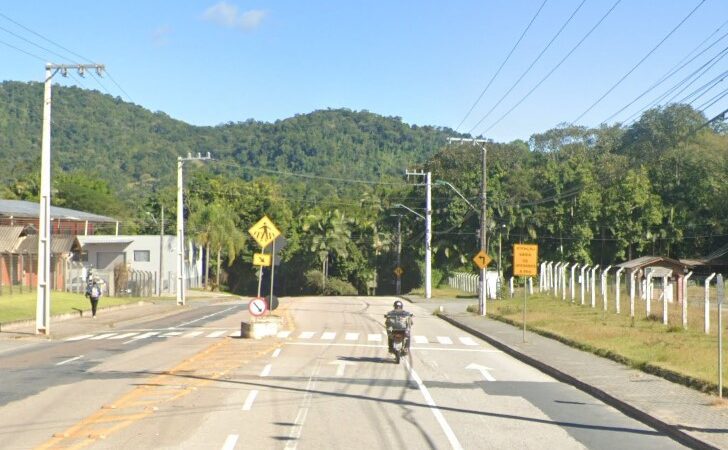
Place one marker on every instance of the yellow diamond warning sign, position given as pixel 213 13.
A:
pixel 398 271
pixel 264 232
pixel 482 259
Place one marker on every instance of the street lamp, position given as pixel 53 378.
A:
pixel 447 183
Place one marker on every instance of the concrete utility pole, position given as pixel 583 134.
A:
pixel 43 298
pixel 181 224
pixel 483 213
pixel 399 252
pixel 428 228
pixel 161 253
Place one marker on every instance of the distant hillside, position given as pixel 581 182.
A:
pixel 132 146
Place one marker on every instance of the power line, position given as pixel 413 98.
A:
pixel 573 49
pixel 22 51
pixel 533 63
pixel 639 63
pixel 502 64
pixel 713 100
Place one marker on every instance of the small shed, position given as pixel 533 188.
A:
pixel 670 270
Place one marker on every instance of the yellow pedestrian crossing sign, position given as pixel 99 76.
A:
pixel 261 259
pixel 482 259
pixel 398 271
pixel 264 232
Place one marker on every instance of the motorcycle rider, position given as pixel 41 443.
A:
pixel 395 319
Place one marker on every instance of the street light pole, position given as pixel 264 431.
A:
pixel 43 297
pixel 482 295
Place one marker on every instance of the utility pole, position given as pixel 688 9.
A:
pixel 482 295
pixel 181 224
pixel 428 228
pixel 43 298
pixel 161 253
pixel 399 253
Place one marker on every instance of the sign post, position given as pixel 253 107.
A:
pixel 525 264
pixel 264 232
pixel 481 259
pixel 721 297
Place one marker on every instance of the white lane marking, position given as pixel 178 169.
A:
pixel 434 349
pixel 421 340
pixel 266 370
pixel 230 442
pixel 374 337
pixel 485 371
pixel 142 336
pixel 444 340
pixel 249 400
pixel 341 366
pixel 306 335
pixel 193 334
pixel 216 334
pixel 352 336
pixel 283 334
pixel 204 317
pixel 124 336
pixel 69 360
pixel 454 443
pixel 276 352
pixel 172 333
pixel 297 427
pixel 468 341
pixel 102 336
pixel 236 334
pixel 328 336
pixel 78 338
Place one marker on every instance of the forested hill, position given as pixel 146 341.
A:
pixel 105 135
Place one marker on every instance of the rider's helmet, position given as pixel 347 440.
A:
pixel 398 304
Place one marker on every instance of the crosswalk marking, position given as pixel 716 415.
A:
pixel 328 336
pixel 374 337
pixel 79 338
pixel 145 335
pixel 444 340
pixel 123 336
pixel 306 335
pixel 236 334
pixel 283 334
pixel 193 334
pixel 352 336
pixel 102 336
pixel 172 333
pixel 421 340
pixel 215 334
pixel 468 341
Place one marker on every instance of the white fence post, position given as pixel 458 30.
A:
pixel 617 289
pixel 632 280
pixel 605 273
pixel 511 286
pixel 707 302
pixel 530 285
pixel 541 276
pixel 648 295
pixel 685 300
pixel 583 281
pixel 563 280
pixel 664 300
pixel 593 286
pixel 571 280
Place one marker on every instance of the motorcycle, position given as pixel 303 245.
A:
pixel 399 344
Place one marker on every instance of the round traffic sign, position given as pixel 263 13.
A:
pixel 257 306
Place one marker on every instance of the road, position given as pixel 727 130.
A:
pixel 326 381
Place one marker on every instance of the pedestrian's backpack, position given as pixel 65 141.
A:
pixel 95 292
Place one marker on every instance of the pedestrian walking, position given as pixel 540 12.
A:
pixel 93 292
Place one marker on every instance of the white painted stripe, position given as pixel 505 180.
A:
pixel 216 334
pixel 102 336
pixel 352 336
pixel 276 352
pixel 421 340
pixel 434 349
pixel 250 399
pixel 204 317
pixel 230 442
pixel 266 370
pixel 69 360
pixel 454 443
pixel 172 333
pixel 468 341
pixel 283 334
pixel 444 340
pixel 374 337
pixel 142 336
pixel 328 336
pixel 296 430
pixel 236 334
pixel 125 335
pixel 78 338
pixel 193 334
pixel 306 335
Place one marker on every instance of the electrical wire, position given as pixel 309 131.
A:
pixel 501 66
pixel 525 72
pixel 639 63
pixel 546 77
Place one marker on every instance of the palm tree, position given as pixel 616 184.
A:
pixel 225 235
pixel 331 234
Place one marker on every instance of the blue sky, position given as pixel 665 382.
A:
pixel 211 62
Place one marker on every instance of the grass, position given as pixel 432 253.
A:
pixel 642 342
pixel 22 306
pixel 444 292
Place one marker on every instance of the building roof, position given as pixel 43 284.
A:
pixel 644 261
pixel 105 239
pixel 22 208
pixel 9 237
pixel 59 244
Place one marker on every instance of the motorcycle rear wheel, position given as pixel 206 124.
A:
pixel 397 357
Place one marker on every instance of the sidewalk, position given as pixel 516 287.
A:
pixel 686 415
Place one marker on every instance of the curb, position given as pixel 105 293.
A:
pixel 9 326
pixel 624 407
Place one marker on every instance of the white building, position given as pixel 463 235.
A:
pixel 149 255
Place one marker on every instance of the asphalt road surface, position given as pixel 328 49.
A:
pixel 326 381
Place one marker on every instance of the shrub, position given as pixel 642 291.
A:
pixel 334 286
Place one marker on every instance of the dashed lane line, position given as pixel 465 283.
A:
pixel 230 442
pixel 250 399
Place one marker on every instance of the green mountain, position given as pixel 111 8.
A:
pixel 135 148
